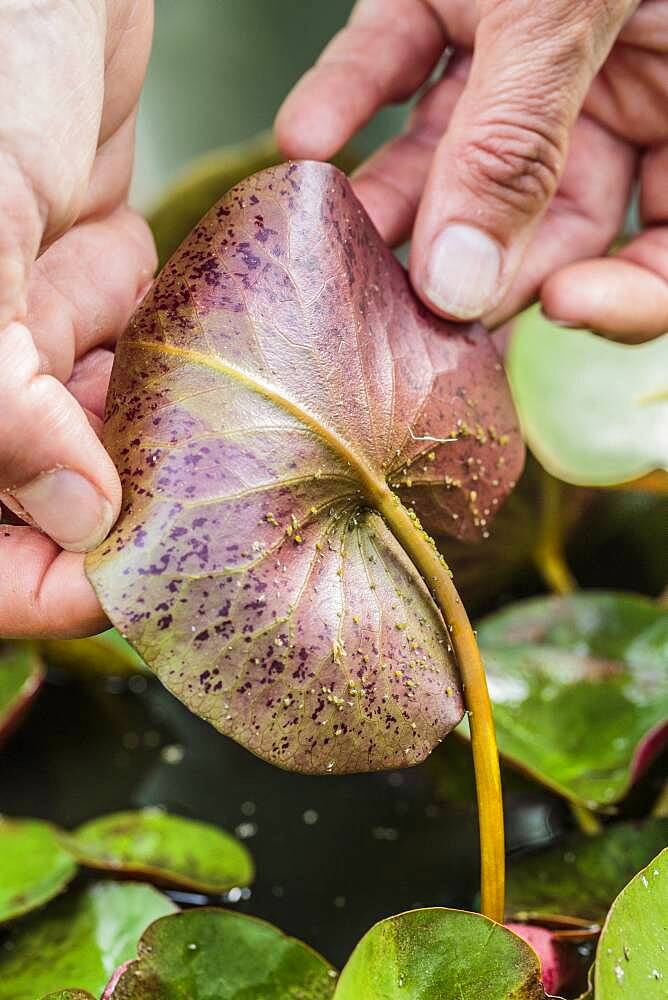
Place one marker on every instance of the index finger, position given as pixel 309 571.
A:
pixel 375 60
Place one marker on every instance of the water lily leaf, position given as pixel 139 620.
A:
pixel 80 938
pixel 105 654
pixel 33 866
pixel 167 849
pixel 277 395
pixel 432 953
pixel 580 689
pixel 593 412
pixel 206 179
pixel 21 676
pixel 208 953
pixel 581 875
pixel 632 956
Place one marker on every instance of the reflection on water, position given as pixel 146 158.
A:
pixel 333 854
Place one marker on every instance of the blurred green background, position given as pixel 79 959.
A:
pixel 218 73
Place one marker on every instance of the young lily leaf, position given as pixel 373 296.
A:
pixel 33 866
pixel 80 938
pixel 208 953
pixel 167 849
pixel 632 952
pixel 593 412
pixel 21 676
pixel 104 654
pixel 278 394
pixel 580 689
pixel 581 875
pixel 432 953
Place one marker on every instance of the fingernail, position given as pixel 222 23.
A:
pixel 68 508
pixel 463 271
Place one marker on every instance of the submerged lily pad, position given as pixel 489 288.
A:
pixel 581 875
pixel 436 953
pixel 207 953
pixel 289 393
pixel 107 654
pixel 168 849
pixel 21 676
pixel 33 866
pixel 580 689
pixel 632 953
pixel 593 412
pixel 80 939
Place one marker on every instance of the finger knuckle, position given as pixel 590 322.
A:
pixel 516 165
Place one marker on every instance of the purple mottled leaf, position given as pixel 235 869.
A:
pixel 277 397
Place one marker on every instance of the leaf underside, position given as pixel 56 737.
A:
pixel 279 379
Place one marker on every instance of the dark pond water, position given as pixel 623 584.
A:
pixel 333 854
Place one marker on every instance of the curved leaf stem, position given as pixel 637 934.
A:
pixel 420 547
pixel 587 821
pixel 408 531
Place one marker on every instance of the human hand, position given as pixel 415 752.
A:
pixel 516 167
pixel 71 75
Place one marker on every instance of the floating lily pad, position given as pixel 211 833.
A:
pixel 290 393
pixel 208 953
pixel 168 849
pixel 436 953
pixel 632 953
pixel 33 866
pixel 581 875
pixel 21 676
pixel 593 412
pixel 580 689
pixel 80 938
pixel 106 654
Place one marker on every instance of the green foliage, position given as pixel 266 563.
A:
pixel 593 412
pixel 581 875
pixel 163 848
pixel 210 954
pixel 632 954
pixel 79 939
pixel 436 953
pixel 105 654
pixel 21 676
pixel 33 866
pixel 580 688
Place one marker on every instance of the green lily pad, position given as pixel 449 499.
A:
pixel 580 689
pixel 21 676
pixel 582 875
pixel 80 938
pixel 106 654
pixel 593 412
pixel 435 953
pixel 207 953
pixel 169 849
pixel 632 954
pixel 33 866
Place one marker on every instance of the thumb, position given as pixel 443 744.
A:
pixel 499 164
pixel 54 471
